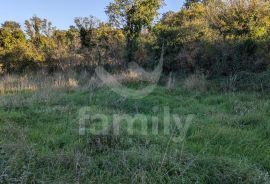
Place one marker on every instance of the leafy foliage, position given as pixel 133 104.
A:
pixel 133 16
pixel 216 37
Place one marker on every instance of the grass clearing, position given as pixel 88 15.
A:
pixel 228 141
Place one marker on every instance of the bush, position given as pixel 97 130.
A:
pixel 197 82
pixel 247 81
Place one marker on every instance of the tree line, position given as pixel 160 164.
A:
pixel 218 37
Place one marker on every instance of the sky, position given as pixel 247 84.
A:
pixel 62 12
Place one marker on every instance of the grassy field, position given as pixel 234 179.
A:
pixel 227 142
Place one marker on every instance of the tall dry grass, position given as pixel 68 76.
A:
pixel 34 82
pixel 43 88
pixel 196 82
pixel 68 80
pixel 46 87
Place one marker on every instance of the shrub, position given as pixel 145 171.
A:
pixel 197 82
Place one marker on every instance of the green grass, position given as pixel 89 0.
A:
pixel 228 141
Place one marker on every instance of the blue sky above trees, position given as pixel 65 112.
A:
pixel 62 12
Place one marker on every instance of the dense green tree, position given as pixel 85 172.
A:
pixel 240 18
pixel 16 53
pixel 40 33
pixel 86 27
pixel 38 30
pixel 188 3
pixel 216 36
pixel 11 35
pixel 110 42
pixel 182 32
pixel 66 44
pixel 73 38
pixel 132 16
